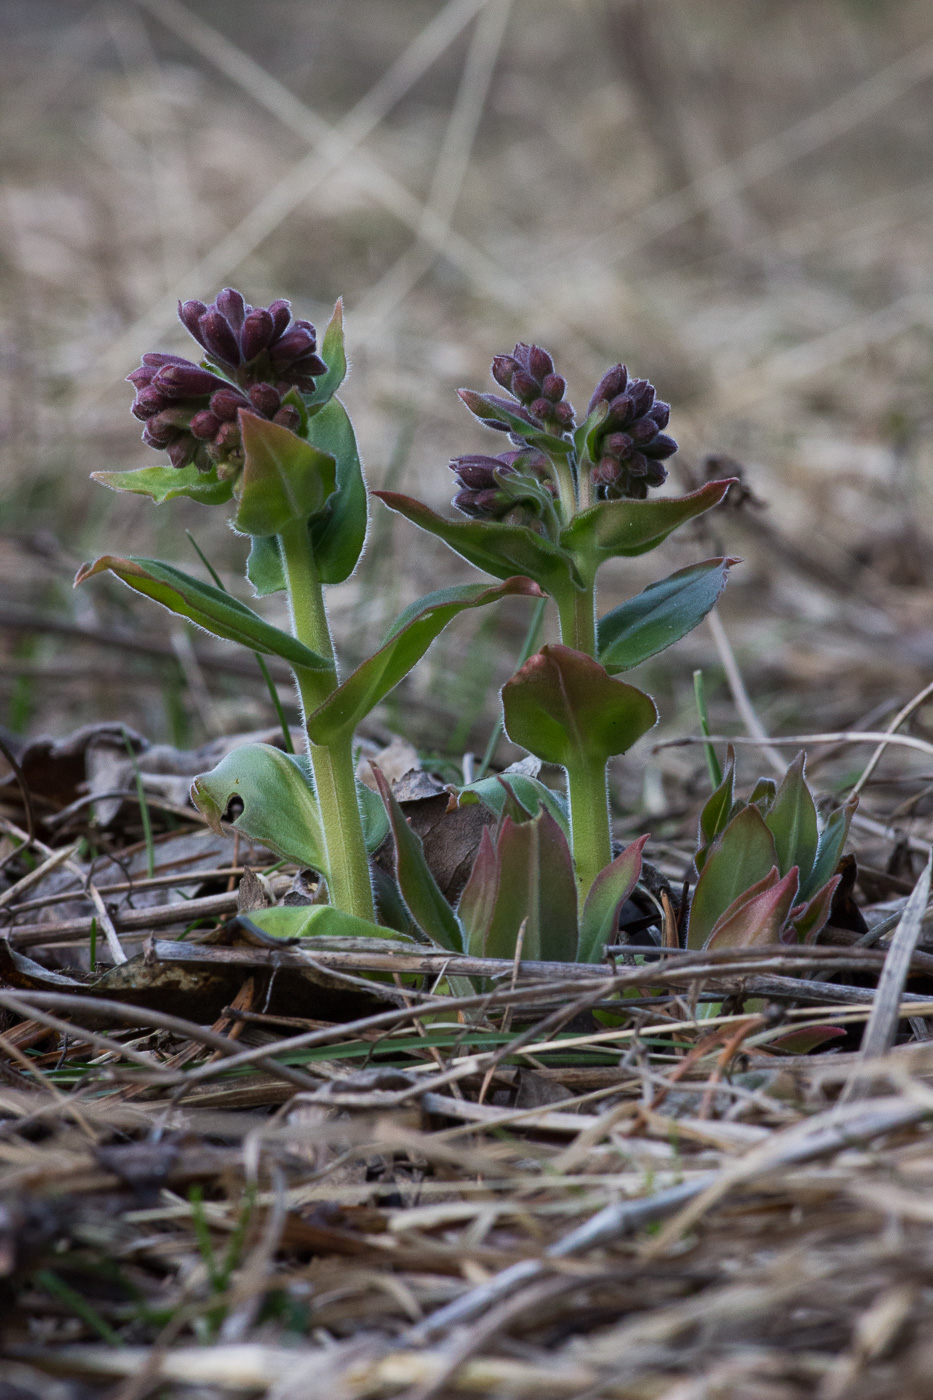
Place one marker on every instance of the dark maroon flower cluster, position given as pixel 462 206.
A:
pixel 630 445
pixel 528 375
pixel 481 494
pixel 191 412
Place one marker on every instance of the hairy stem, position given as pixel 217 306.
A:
pixel 348 880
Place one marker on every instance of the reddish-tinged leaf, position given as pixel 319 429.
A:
pixel 757 916
pixel 537 887
pixel 803 1041
pixel 812 917
pixel 478 901
pixel 626 527
pixel 742 855
pixel 423 898
pixel 608 892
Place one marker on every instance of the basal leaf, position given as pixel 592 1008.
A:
pixel 792 821
pixel 741 856
pixel 536 886
pixel 531 793
pixel 280 809
pixel 211 608
pixel 758 915
pixel 661 615
pixel 264 567
pixel 564 708
pixel 334 355
pixel 830 847
pixel 478 900
pixel 284 478
pixel 165 483
pixel 420 891
pixel 495 546
pixel 624 528
pixel 408 640
pixel 339 532
pixel 715 815
pixel 599 922
pixel 812 916
pixel 320 921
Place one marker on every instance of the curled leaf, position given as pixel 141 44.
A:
pixel 279 806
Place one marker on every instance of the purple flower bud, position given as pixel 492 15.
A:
pixel 618 445
pixel 158 434
pixel 637 465
pixel 553 387
pixel 142 376
pixel 660 412
pixel 147 402
pixel 294 345
pixel 182 450
pixel 662 447
pixel 256 335
pixel 541 409
pixel 609 387
pixel 265 399
pixel 523 386
pixel 186 381
pixel 227 402
pixel 309 366
pixel 641 393
pixel 231 305
pixel 217 337
pixel 621 412
pixel 281 313
pixel 562 413
pixel 205 425
pixel 477 473
pixel 189 314
pixel 643 430
pixel 540 364
pixel 607 472
pixel 288 417
pixel 656 475
pixel 502 369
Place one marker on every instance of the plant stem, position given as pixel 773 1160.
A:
pixel 576 608
pixel 348 879
pixel 589 824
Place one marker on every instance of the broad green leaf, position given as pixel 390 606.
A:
pixel 531 793
pixel 420 891
pixel 741 856
pixel 536 886
pixel 334 356
pixel 211 608
pixel 832 840
pixel 623 528
pixel 791 819
pixel 339 532
pixel 280 809
pixel 763 794
pixel 408 640
pixel 284 478
pixel 599 922
pixel 564 708
pixel 264 567
pixel 715 815
pixel 661 615
pixel 165 483
pixel 758 915
pixel 497 547
pixel 320 921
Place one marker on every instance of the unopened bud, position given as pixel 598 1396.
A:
pixel 562 413
pixel 226 404
pixel 643 431
pixel 660 412
pixel 281 313
pixel 553 387
pixel 609 387
pixel 205 425
pixel 540 364
pixel 181 451
pixel 217 337
pixel 232 307
pixel 256 335
pixel 503 367
pixel 288 417
pixel 618 445
pixel 662 447
pixel 656 475
pixel 189 314
pixel 621 412
pixel 186 381
pixel 523 386
pixel 147 402
pixel 263 397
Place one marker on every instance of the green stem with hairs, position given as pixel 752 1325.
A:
pixel 348 878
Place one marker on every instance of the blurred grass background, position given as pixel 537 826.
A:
pixel 732 197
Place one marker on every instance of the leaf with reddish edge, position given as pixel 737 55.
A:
pixel 739 857
pixel 408 640
pixel 478 900
pixel 284 478
pixel 808 1038
pixel 536 886
pixel 759 914
pixel 495 546
pixel 420 891
pixel 608 892
pixel 625 528
pixel 660 615
pixel 792 820
pixel 208 607
pixel 564 708
pixel 811 918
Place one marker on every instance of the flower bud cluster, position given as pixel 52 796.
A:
pixel 481 495
pixel 192 413
pixel 528 375
pixel 631 445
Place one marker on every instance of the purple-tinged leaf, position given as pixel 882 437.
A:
pixel 626 527
pixel 478 900
pixel 408 640
pixel 808 1038
pixel 565 709
pixel 758 915
pixel 420 891
pixel 813 915
pixel 284 478
pixel 740 856
pixel 536 886
pixel 660 615
pixel 609 891
pixel 791 819
pixel 497 547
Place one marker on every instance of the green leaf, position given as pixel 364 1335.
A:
pixel 280 809
pixel 661 615
pixel 624 528
pixel 492 410
pixel 812 916
pixel 585 439
pixel 165 483
pixel 763 794
pixel 420 891
pixel 533 883
pixel 408 640
pixel 791 819
pixel 319 921
pixel 497 547
pixel 715 815
pixel 208 607
pixel 832 840
pixel 480 893
pixel 608 892
pixel 532 794
pixel 284 478
pixel 264 567
pixel 564 708
pixel 758 915
pixel 339 533
pixel 334 356
pixel 741 856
